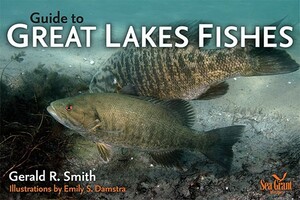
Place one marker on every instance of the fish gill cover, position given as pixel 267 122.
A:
pixel 149 99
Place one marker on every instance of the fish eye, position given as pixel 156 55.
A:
pixel 69 107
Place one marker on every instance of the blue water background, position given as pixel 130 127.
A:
pixel 144 12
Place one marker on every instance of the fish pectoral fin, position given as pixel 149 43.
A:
pixel 214 91
pixel 95 125
pixel 105 151
pixel 168 158
pixel 129 89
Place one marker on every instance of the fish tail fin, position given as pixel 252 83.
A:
pixel 271 61
pixel 220 150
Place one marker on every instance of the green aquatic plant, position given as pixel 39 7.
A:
pixel 18 58
pixel 30 139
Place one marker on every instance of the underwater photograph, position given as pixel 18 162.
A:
pixel 145 99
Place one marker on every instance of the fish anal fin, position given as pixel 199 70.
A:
pixel 214 91
pixel 168 158
pixel 105 151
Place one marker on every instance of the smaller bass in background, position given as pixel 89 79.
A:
pixel 187 73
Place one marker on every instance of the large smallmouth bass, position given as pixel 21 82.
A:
pixel 187 73
pixel 161 128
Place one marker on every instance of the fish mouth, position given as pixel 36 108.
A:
pixel 63 120
pixel 52 112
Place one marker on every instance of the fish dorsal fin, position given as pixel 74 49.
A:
pixel 168 158
pixel 214 91
pixel 105 151
pixel 193 30
pixel 183 110
pixel 179 108
pixel 129 89
pixel 276 24
pixel 192 34
pixel 150 99
pixel 262 38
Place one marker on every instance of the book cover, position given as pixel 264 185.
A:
pixel 149 99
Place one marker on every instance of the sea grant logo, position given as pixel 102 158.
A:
pixel 278 186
